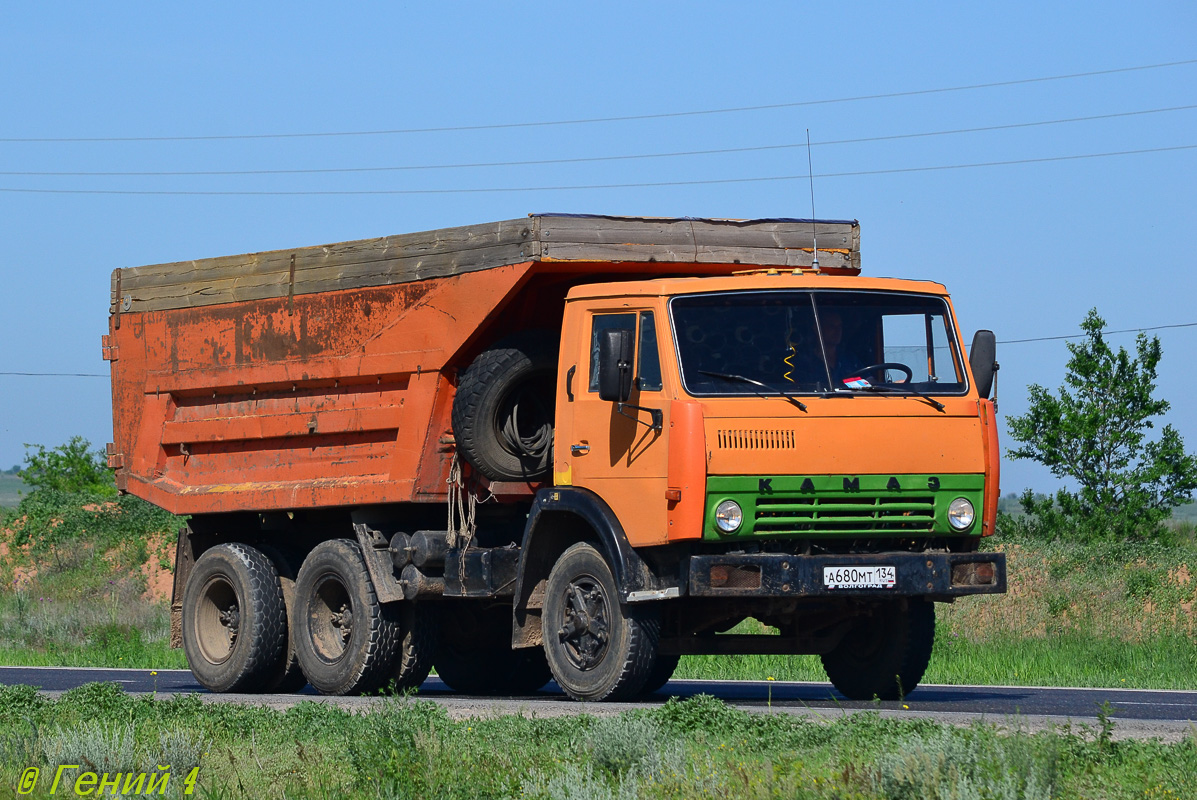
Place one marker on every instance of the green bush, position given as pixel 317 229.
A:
pixel 574 782
pixel 73 499
pixel 72 467
pixel 49 520
pixel 619 743
pixel 977 765
pixel 95 746
pixel 1140 583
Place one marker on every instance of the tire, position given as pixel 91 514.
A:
pixel 503 408
pixel 475 656
pixel 234 619
pixel 886 654
pixel 346 641
pixel 417 645
pixel 608 651
pixel 661 673
pixel 288 678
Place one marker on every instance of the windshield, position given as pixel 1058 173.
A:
pixel 813 342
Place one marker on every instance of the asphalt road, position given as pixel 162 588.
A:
pixel 1136 712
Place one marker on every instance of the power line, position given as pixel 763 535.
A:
pixel 1006 341
pixel 55 374
pixel 1081 335
pixel 643 185
pixel 591 120
pixel 592 159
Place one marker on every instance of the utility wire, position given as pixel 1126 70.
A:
pixel 1083 335
pixel 591 120
pixel 55 374
pixel 592 159
pixel 1006 341
pixel 644 185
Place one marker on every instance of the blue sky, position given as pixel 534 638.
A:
pixel 1026 249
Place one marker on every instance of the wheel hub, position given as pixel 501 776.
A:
pixel 585 632
pixel 217 620
pixel 330 612
pixel 343 620
pixel 230 618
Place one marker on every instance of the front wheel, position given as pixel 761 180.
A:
pixel 597 648
pixel 885 654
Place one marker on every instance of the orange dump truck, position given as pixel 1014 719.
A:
pixel 561 447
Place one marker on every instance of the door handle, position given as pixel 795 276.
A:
pixel 579 449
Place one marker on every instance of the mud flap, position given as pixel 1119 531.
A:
pixel 378 562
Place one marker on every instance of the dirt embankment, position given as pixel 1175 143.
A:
pixel 1054 589
pixel 18 569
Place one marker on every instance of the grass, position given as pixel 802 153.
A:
pixel 696 748
pixel 1072 659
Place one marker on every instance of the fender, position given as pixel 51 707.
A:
pixel 545 538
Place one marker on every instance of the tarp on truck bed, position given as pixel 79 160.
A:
pixel 454 251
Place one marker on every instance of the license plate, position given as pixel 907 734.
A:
pixel 859 577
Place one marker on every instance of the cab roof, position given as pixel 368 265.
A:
pixel 755 280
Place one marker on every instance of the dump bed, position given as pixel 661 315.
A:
pixel 324 376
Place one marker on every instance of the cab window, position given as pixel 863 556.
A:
pixel 605 322
pixel 648 361
pixel 648 366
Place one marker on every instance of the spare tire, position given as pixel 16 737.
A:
pixel 503 410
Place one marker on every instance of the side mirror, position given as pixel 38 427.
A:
pixel 615 365
pixel 982 357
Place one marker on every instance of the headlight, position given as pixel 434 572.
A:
pixel 961 514
pixel 728 516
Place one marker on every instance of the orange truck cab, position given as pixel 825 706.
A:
pixel 566 447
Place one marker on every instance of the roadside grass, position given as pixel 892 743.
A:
pixel 695 748
pixel 1072 659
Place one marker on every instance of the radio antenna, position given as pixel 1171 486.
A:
pixel 814 236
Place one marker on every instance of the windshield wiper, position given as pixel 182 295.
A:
pixel 908 391
pixel 733 377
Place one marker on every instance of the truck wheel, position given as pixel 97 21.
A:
pixel 475 654
pixel 886 654
pixel 234 619
pixel 503 409
pixel 289 677
pixel 347 642
pixel 597 648
pixel 417 645
pixel 662 671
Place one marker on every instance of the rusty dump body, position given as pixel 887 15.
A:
pixel 574 447
pixel 324 376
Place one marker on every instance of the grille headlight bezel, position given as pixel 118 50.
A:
pixel 728 516
pixel 961 514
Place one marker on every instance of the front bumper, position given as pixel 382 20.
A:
pixel 936 575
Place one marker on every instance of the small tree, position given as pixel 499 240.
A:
pixel 1095 432
pixel 72 467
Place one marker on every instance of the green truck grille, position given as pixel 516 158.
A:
pixel 856 514
pixel 842 505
